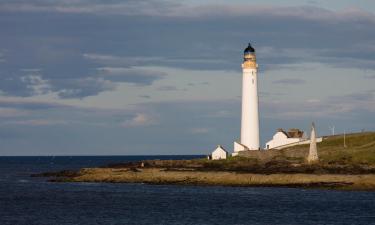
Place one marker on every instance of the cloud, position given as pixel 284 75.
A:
pixel 170 88
pixel 300 110
pixel 80 88
pixel 11 112
pixel 36 83
pixel 51 78
pixel 345 106
pixel 114 42
pixel 130 75
pixel 24 83
pixel 313 100
pixel 121 61
pixel 144 96
pixel 79 79
pixel 199 130
pixel 317 37
pixel 198 62
pixel 192 84
pixel 358 98
pixel 289 81
pixel 267 94
pixel 167 8
pixel 167 88
pixel 35 122
pixel 2 59
pixel 139 120
pixel 224 113
pixel 129 7
pixel 19 103
pixel 31 82
pixel 177 127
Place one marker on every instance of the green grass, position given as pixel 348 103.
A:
pixel 231 162
pixel 359 153
pixel 360 149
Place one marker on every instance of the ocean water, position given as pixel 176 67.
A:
pixel 30 200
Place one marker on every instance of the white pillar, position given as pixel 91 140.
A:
pixel 313 151
pixel 250 113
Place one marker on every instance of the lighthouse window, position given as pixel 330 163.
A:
pixel 253 81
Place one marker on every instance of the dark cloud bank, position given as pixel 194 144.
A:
pixel 87 47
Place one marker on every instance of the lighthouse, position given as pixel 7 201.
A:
pixel 250 113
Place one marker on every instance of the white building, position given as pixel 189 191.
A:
pixel 250 114
pixel 219 153
pixel 283 139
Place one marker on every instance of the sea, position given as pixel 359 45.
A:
pixel 26 200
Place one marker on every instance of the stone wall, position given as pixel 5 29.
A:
pixel 294 154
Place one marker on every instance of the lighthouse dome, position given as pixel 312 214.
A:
pixel 249 57
pixel 249 50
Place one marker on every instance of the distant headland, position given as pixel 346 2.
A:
pixel 350 167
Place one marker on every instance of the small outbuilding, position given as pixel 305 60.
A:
pixel 219 153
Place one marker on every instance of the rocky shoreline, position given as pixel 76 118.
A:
pixel 168 172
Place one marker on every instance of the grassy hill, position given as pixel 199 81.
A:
pixel 360 149
pixel 357 157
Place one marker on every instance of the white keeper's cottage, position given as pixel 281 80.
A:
pixel 219 153
pixel 285 138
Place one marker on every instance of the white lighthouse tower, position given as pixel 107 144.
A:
pixel 250 114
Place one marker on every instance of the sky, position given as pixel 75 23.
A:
pixel 154 77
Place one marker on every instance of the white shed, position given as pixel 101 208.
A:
pixel 219 153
